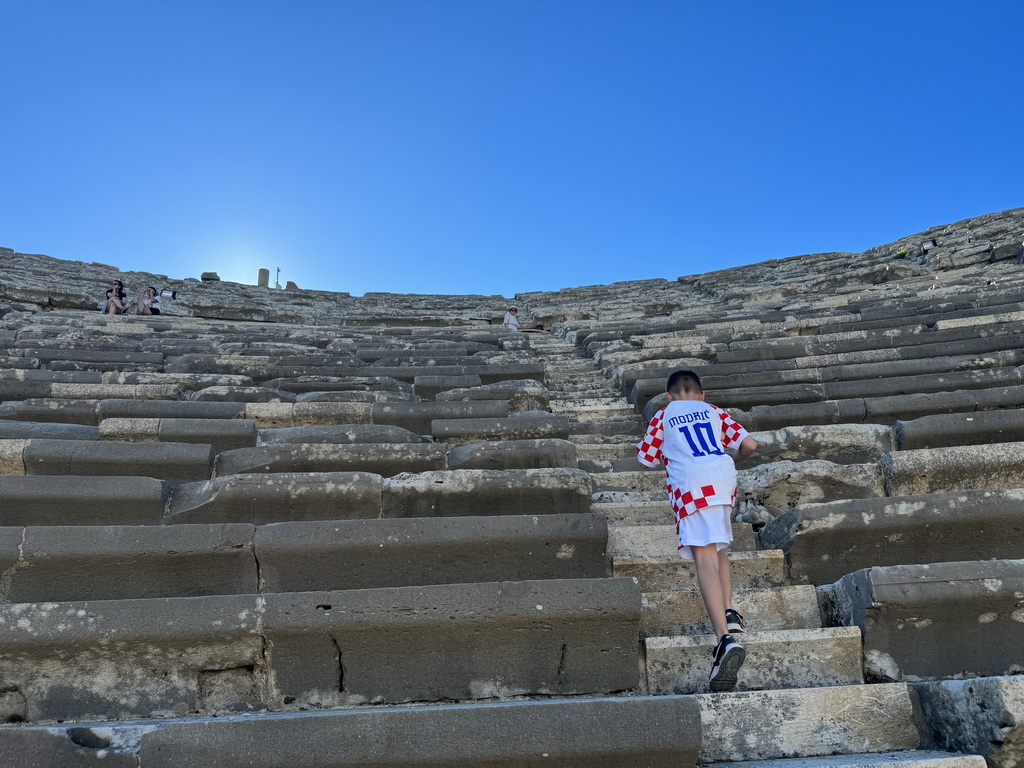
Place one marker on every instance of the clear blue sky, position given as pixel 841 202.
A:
pixel 498 146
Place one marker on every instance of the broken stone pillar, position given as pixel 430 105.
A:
pixel 263 280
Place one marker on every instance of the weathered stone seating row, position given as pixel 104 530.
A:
pixel 416 417
pixel 264 369
pixel 951 619
pixel 182 655
pixel 765 382
pixel 31 390
pixel 267 498
pixel 930 528
pixel 867 346
pixel 46 356
pixel 57 563
pixel 55 448
pixel 884 313
pixel 795 338
pixel 879 410
pixel 606 733
pixel 869 388
pixel 812 321
pixel 189 383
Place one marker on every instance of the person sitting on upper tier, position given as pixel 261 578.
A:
pixel 114 302
pixel 148 304
pixel 511 322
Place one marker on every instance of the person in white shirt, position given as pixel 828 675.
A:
pixel 690 438
pixel 511 320
pixel 148 304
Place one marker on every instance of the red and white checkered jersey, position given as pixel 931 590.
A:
pixel 690 437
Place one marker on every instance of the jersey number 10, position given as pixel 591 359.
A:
pixel 701 439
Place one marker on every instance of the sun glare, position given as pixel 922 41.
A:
pixel 243 267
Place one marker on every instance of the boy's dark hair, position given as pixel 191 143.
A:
pixel 681 382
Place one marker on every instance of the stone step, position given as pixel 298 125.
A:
pixel 625 428
pixel 385 459
pixel 28 390
pixel 557 366
pixel 880 410
pixel 792 658
pixel 908 759
pixel 222 434
pixel 466 431
pixel 55 563
pixel 596 392
pixel 583 412
pixel 924 528
pixel 634 507
pixel 944 430
pixel 236 653
pixel 604 452
pixel 648 540
pixel 613 402
pixel 659 732
pixel 610 465
pixel 806 722
pixel 566 382
pixel 682 612
pixel 966 614
pixel 983 715
pixel 647 480
pixel 171 462
pixel 927 470
pixel 661 573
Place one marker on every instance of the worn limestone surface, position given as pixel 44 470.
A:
pixel 608 733
pixel 387 459
pixel 838 443
pixel 983 467
pixel 682 612
pixel 62 500
pixel 488 492
pixel 927 528
pixel 514 454
pixel 58 563
pixel 360 554
pixel 781 485
pixel 341 434
pixel 795 658
pixel 157 658
pixel 981 715
pixel 270 498
pixel 940 620
pixel 508 639
pixel 822 721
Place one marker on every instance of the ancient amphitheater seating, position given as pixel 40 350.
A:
pixel 281 528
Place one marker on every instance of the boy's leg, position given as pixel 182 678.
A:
pixel 725 576
pixel 709 577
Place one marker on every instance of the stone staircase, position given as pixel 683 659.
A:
pixel 387 539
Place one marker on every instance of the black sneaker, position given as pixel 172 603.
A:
pixel 734 621
pixel 729 657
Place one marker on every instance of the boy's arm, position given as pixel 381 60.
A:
pixel 648 452
pixel 747 447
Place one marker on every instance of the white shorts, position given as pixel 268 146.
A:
pixel 711 525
